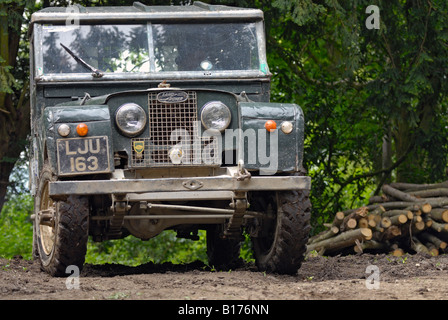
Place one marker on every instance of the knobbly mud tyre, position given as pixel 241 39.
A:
pixel 64 243
pixel 281 246
pixel 223 254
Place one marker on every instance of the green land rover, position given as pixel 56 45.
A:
pixel 153 118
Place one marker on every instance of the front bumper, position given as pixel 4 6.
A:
pixel 197 188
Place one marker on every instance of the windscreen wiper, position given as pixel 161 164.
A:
pixel 95 72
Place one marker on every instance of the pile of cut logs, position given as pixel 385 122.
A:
pixel 406 218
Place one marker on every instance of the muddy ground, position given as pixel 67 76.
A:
pixel 319 278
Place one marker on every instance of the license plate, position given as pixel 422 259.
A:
pixel 83 155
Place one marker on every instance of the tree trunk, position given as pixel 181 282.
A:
pixel 14 104
pixel 403 141
pixel 386 159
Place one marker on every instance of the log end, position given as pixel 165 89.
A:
pixel 351 223
pixel 402 219
pixel 426 208
pixel 366 233
pixel 385 222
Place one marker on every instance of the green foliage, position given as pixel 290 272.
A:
pixel 7 80
pixel 16 228
pixel 163 248
pixel 301 12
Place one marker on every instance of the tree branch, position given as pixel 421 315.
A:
pixel 370 175
pixel 304 76
pixel 421 49
pixel 389 52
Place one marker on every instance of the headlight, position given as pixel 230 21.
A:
pixel 131 119
pixel 215 115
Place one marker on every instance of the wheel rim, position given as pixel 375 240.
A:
pixel 47 233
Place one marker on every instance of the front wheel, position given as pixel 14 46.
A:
pixel 280 244
pixel 60 229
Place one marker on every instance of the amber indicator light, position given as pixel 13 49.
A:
pixel 270 125
pixel 82 129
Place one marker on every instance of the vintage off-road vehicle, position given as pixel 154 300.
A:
pixel 146 119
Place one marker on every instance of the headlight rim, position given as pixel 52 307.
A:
pixel 144 118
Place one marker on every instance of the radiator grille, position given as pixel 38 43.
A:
pixel 174 135
pixel 165 118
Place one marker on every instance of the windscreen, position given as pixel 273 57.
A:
pixel 197 47
pixel 150 48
